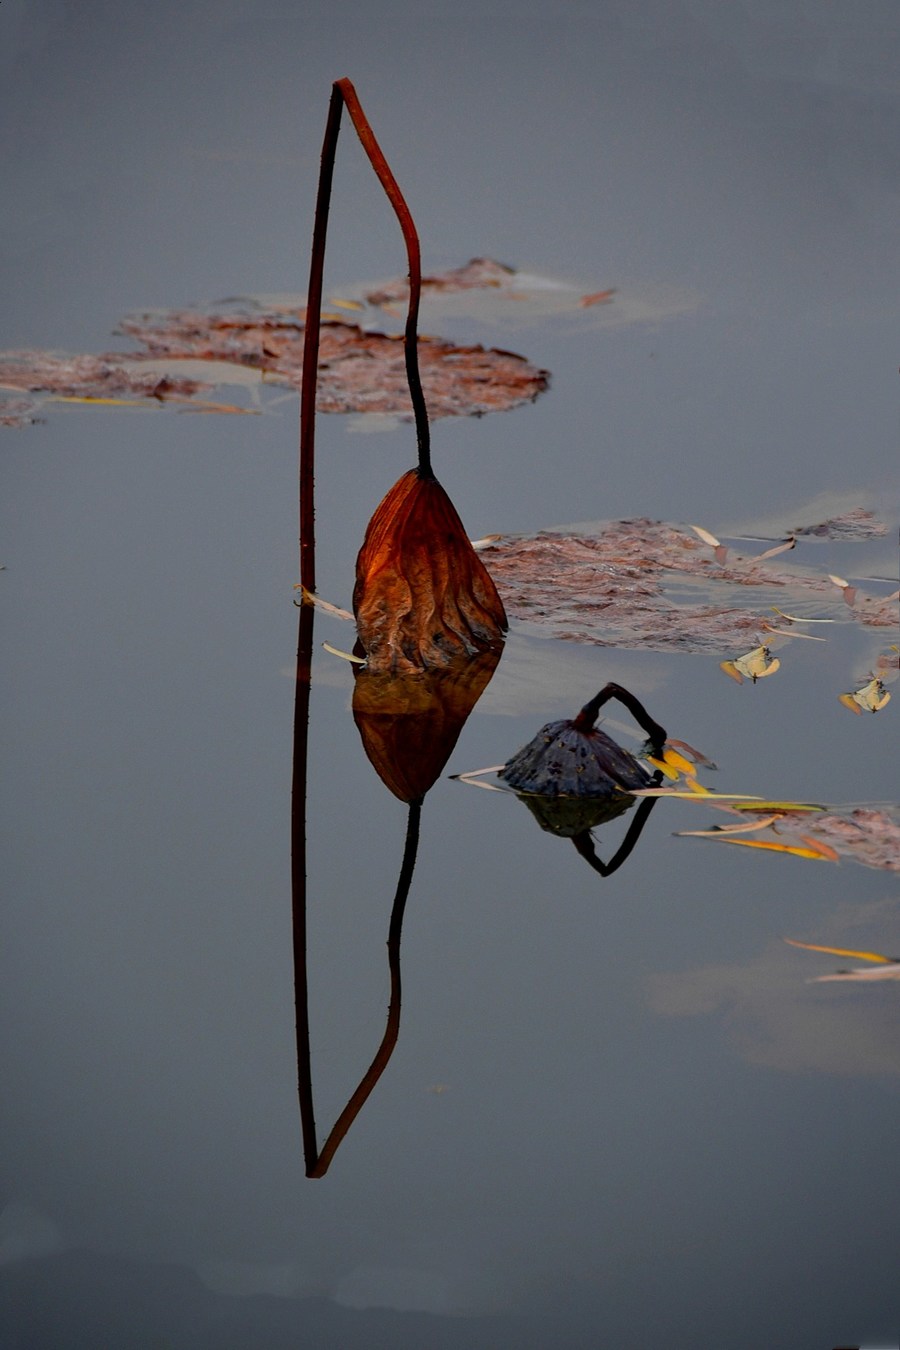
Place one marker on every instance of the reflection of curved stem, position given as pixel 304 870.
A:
pixel 585 844
pixel 298 875
pixel 391 1031
pixel 317 1163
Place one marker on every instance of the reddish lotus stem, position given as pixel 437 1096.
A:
pixel 342 93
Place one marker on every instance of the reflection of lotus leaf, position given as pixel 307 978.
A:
pixel 410 723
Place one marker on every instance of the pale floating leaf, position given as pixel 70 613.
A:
pixel 793 618
pixel 779 548
pixel 865 975
pixel 308 598
pixel 710 798
pixel 345 656
pixel 871 698
pixel 705 536
pixel 786 632
pixel 748 828
pixel 476 773
pixel 475 782
pixel 755 664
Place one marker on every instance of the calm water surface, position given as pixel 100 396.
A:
pixel 617 1112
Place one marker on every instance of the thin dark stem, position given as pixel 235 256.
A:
pixel 413 254
pixel 392 1029
pixel 343 93
pixel 588 715
pixel 312 324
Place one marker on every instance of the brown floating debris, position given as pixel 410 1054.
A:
pixel 858 523
pixel 476 274
pixel 869 835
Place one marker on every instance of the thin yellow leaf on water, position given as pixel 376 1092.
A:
pixel 838 581
pixel 677 761
pixel 189 405
pixel 850 702
pixel 773 552
pixel 666 769
pixel 842 951
pixel 780 807
pixel 731 671
pixel 694 786
pixel 104 402
pixel 797 852
pixel 346 304
pixel 705 536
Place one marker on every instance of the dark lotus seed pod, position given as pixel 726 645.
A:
pixel 573 758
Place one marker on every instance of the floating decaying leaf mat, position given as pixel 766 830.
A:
pixel 190 352
pixel 616 586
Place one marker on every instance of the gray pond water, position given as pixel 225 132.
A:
pixel 618 1111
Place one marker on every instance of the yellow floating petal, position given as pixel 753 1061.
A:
pixel 842 951
pixel 797 852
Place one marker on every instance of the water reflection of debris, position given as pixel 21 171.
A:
pixel 885 967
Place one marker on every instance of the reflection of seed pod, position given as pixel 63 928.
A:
pixel 567 817
pixel 565 761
